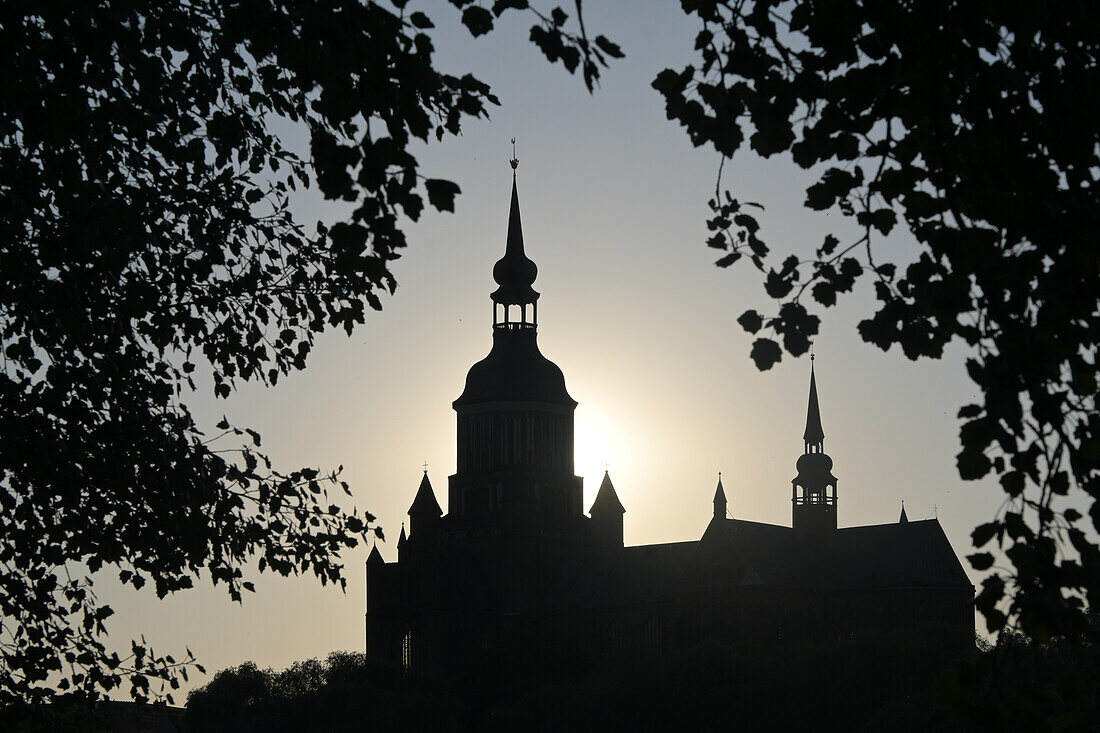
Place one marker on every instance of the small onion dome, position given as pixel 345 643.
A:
pixel 815 471
pixel 814 463
pixel 514 272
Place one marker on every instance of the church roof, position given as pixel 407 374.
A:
pixel 871 556
pixel 425 502
pixel 606 498
pixel 814 434
pixel 735 553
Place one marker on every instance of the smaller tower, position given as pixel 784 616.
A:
pixel 607 514
pixel 903 519
pixel 374 559
pixel 424 513
pixel 813 490
pixel 719 500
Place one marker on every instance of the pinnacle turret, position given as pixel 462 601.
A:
pixel 607 514
pixel 607 500
pixel 719 500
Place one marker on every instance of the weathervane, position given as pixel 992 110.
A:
pixel 514 161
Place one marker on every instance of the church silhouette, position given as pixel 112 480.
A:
pixel 516 563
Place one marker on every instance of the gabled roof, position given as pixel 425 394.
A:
pixel 425 502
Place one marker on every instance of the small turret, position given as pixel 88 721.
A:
pixel 607 514
pixel 903 519
pixel 719 500
pixel 375 557
pixel 424 513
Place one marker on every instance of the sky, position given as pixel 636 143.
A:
pixel 633 310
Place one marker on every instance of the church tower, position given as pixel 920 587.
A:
pixel 515 417
pixel 813 490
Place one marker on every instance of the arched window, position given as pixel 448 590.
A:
pixel 407 650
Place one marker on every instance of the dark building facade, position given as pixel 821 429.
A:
pixel 516 560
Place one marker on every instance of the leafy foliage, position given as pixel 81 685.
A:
pixel 146 231
pixel 342 693
pixel 973 124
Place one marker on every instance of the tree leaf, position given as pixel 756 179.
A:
pixel 441 193
pixel 765 353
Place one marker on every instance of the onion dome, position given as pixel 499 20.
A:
pixel 515 371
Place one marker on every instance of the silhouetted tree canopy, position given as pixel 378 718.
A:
pixel 972 125
pixel 146 237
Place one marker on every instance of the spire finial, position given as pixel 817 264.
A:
pixel 514 161
pixel 425 465
pixel 811 353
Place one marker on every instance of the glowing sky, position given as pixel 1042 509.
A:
pixel 635 313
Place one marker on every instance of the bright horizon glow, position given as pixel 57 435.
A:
pixel 633 311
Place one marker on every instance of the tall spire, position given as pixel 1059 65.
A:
pixel 814 435
pixel 515 272
pixel 813 490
